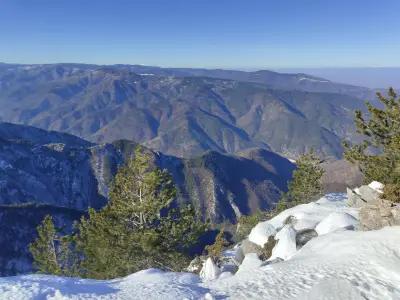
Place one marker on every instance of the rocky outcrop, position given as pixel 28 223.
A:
pixel 375 212
pixel 379 214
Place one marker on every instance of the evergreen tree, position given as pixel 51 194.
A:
pixel 305 185
pixel 215 250
pixel 44 249
pixel 378 156
pixel 138 229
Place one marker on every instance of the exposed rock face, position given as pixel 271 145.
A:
pixel 62 170
pixel 340 174
pixel 247 247
pixel 379 214
pixel 304 236
pixel 375 212
pixel 362 195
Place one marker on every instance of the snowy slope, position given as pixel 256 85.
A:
pixel 338 264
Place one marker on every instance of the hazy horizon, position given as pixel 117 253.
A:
pixel 371 77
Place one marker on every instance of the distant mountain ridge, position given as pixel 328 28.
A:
pixel 183 112
pixel 66 171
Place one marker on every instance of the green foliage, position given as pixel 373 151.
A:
pixel 246 223
pixel 215 250
pixel 44 250
pixel 305 185
pixel 378 156
pixel 136 230
pixel 282 204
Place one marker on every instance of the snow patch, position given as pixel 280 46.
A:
pixel 377 186
pixel 286 245
pixel 312 79
pixel 336 221
pixel 210 270
pixel 261 232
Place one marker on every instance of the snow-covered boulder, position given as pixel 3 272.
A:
pixel 377 186
pixel 307 216
pixel 336 221
pixel 286 245
pixel 210 270
pixel 303 217
pixel 250 262
pixel 261 232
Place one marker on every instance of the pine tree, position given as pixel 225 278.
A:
pixel 378 156
pixel 140 192
pixel 138 229
pixel 305 185
pixel 215 250
pixel 44 249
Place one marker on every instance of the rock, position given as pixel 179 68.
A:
pixel 304 236
pixel 210 270
pixel 379 214
pixel 290 220
pixel 336 221
pixel 354 199
pixel 250 247
pixel 365 194
pixel 239 256
pixel 375 212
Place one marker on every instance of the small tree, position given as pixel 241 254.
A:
pixel 215 250
pixel 44 249
pixel 305 185
pixel 378 156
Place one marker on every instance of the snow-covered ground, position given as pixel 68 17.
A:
pixel 337 264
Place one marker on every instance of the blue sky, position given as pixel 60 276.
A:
pixel 202 33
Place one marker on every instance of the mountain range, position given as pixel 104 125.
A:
pixel 223 135
pixel 56 173
pixel 184 112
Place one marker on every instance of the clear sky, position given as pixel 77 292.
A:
pixel 202 33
